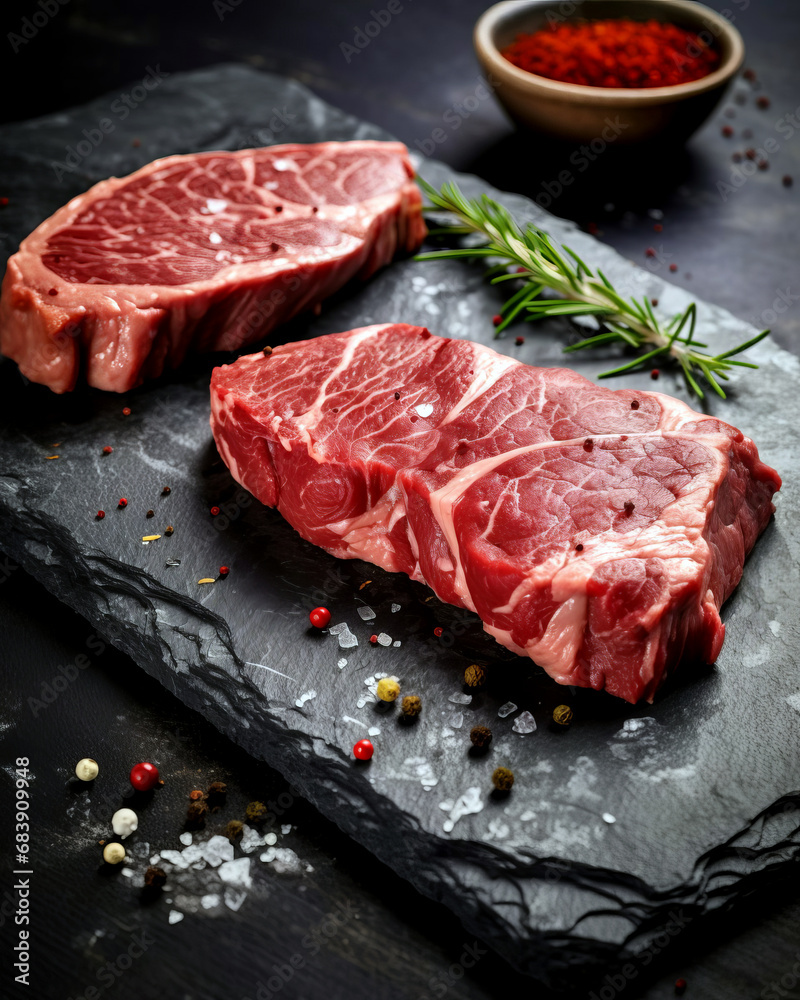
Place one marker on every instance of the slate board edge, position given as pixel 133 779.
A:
pixel 558 960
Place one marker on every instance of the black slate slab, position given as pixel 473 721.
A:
pixel 699 791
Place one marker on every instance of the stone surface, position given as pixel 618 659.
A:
pixel 702 785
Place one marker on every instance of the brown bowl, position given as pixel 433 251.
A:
pixel 577 113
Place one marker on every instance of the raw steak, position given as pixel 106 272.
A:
pixel 207 251
pixel 597 532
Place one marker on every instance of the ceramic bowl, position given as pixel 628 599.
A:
pixel 584 114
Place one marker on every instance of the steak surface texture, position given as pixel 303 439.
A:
pixel 207 251
pixel 596 531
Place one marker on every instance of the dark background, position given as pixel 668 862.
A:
pixel 739 251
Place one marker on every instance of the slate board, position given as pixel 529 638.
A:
pixel 702 785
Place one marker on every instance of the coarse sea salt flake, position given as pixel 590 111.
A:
pixel 384 639
pixel 506 710
pixel 524 723
pixel 365 612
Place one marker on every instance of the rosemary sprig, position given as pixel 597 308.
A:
pixel 580 291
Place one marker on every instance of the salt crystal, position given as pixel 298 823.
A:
pixel 655 213
pixel 175 917
pixel 175 858
pixel 459 698
pixel 524 723
pixel 217 850
pixel 456 720
pixel 172 562
pixel 469 802
pixel 214 238
pixel 251 839
pixel 342 663
pixel 283 164
pixel 366 612
pixel 506 709
pixel 395 608
pixel 346 638
pixel 127 872
pixel 268 855
pixel 285 860
pixel 608 818
pixel 271 838
pixel 306 696
pixel 374 731
pixel 396 643
pixel 216 205
pixel 209 901
pixel 193 854
pixel 185 838
pixel 236 873
pixel 234 899
pixel 424 409
pixel 286 828
pixel 384 639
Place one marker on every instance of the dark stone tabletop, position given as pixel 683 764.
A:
pixel 322 916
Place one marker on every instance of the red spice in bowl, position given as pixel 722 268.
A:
pixel 616 52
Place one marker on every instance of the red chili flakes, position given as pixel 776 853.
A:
pixel 438 631
pixel 727 131
pixel 214 511
pixel 654 374
pixel 673 268
pixel 126 411
pixel 122 502
pixel 223 571
pixel 787 181
pixel 497 320
pixel 107 450
pixel 614 52
pixel 100 515
pixel 763 102
pixel 195 795
pixel 519 341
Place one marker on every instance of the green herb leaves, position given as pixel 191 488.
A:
pixel 541 264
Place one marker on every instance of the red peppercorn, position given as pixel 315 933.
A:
pixel 787 181
pixel 763 102
pixel 727 131
pixel 749 74
pixel 166 491
pixel 122 502
pixel 649 252
pixel 126 411
pixel 497 320
pixel 3 201
pixel 519 341
pixel 763 164
pixel 750 154
pixel 592 228
pixel 673 267
pixel 107 450
pixel 653 302
pixel 363 750
pixel 438 631
pixel 654 374
pixel 319 617
pixel 144 776
pixel 658 228
pixel 680 987
pixel 373 639
pixel 100 515
pixel 521 270
pixel 214 511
